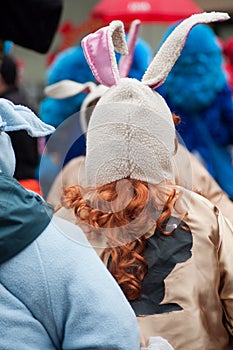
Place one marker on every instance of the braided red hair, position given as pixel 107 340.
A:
pixel 126 227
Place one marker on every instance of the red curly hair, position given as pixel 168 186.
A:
pixel 126 209
pixel 126 219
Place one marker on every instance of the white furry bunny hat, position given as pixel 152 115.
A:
pixel 131 131
pixel 67 88
pixel 13 118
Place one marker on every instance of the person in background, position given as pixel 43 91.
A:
pixel 25 146
pixel 55 292
pixel 168 248
pixel 69 64
pixel 198 91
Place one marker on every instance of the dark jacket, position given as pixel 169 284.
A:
pixel 23 217
pixel 25 146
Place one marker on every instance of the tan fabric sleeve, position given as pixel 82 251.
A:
pixel 225 254
pixel 195 177
pixel 69 175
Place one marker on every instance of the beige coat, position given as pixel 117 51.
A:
pixel 202 285
pixel 191 174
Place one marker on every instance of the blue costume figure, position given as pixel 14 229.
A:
pixel 197 90
pixel 70 64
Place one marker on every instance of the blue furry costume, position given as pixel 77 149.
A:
pixel 197 85
pixel 71 64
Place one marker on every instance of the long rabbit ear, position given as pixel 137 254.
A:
pixel 169 52
pixel 99 49
pixel 125 62
pixel 67 88
pixel 18 117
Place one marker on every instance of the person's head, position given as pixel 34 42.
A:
pixel 132 121
pixel 8 73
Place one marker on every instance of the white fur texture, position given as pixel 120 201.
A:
pixel 172 47
pixel 131 134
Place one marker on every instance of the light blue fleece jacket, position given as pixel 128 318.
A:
pixel 57 294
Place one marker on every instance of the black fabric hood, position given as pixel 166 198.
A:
pixel 23 217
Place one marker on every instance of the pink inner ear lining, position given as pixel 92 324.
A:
pixel 87 48
pixel 154 86
pixel 98 52
pixel 126 61
pixel 87 90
